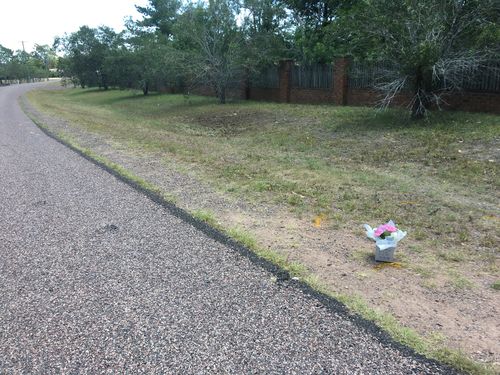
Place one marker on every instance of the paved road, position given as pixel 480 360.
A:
pixel 97 278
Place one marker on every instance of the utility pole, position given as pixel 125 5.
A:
pixel 25 64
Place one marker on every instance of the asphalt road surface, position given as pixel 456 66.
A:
pixel 95 277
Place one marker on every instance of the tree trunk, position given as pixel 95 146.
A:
pixel 220 92
pixel 421 99
pixel 417 111
pixel 104 81
pixel 145 88
pixel 222 95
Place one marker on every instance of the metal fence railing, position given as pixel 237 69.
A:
pixel 314 76
pixel 267 78
pixel 484 77
pixel 365 75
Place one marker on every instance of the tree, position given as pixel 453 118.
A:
pixel 21 65
pixel 316 13
pixel 211 44
pixel 6 56
pixel 45 56
pixel 160 15
pixel 86 51
pixel 121 68
pixel 156 61
pixel 313 18
pixel 430 43
pixel 265 29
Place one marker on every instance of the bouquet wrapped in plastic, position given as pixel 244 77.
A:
pixel 386 237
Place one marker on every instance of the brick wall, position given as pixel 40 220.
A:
pixel 366 97
pixel 340 80
pixel 264 94
pixel 285 80
pixel 311 96
pixel 474 102
pixel 461 101
pixel 341 94
pixel 231 93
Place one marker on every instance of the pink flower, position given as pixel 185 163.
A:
pixel 390 228
pixel 385 228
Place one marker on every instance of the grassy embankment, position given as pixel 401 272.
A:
pixel 439 178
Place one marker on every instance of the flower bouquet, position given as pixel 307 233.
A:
pixel 386 237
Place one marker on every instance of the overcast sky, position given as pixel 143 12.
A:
pixel 39 21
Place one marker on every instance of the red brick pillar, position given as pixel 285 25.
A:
pixel 285 74
pixel 340 80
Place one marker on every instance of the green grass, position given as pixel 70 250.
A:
pixel 435 178
pixel 458 281
pixel 206 216
pixel 496 285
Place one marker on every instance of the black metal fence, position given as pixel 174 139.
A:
pixel 315 76
pixel 366 75
pixel 485 77
pixel 267 78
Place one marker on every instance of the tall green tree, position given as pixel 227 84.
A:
pixel 21 65
pixel 86 51
pixel 156 62
pixel 160 15
pixel 6 56
pixel 45 56
pixel 266 31
pixel 312 19
pixel 211 41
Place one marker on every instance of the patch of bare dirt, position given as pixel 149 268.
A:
pixel 467 318
pixel 482 151
pixel 231 122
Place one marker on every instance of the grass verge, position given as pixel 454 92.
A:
pixel 438 178
pixel 292 192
